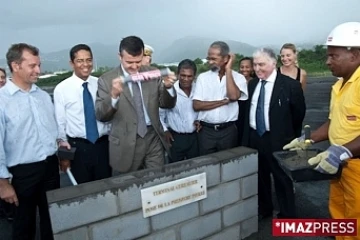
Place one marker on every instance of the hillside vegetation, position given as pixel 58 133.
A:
pixel 313 61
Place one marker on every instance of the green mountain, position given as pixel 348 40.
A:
pixel 106 55
pixel 197 47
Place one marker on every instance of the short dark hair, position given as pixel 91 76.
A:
pixel 3 70
pixel 16 51
pixel 133 45
pixel 187 64
pixel 223 46
pixel 78 48
pixel 246 59
pixel 252 74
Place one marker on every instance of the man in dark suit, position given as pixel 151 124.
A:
pixel 136 138
pixel 274 114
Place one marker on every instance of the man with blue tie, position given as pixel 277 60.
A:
pixel 274 114
pixel 28 163
pixel 74 100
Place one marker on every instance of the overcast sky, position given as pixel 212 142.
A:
pixel 54 25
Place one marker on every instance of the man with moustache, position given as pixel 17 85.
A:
pixel 180 123
pixel 215 98
pixel 274 114
pixel 74 100
pixel 136 135
pixel 28 164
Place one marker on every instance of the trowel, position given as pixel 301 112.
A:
pixel 295 163
pixel 307 132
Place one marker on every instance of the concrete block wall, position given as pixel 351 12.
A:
pixel 111 209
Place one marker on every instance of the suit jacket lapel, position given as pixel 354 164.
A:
pixel 278 87
pixel 126 89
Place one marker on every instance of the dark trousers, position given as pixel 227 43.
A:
pixel 240 123
pixel 212 140
pixel 91 161
pixel 6 209
pixel 31 181
pixel 184 146
pixel 283 184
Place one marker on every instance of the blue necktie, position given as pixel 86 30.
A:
pixel 92 133
pixel 260 117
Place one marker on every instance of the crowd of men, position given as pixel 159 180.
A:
pixel 118 126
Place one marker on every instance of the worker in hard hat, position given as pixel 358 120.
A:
pixel 342 128
pixel 148 52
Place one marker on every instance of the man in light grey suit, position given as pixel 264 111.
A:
pixel 136 136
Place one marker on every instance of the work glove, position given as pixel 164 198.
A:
pixel 298 144
pixel 330 160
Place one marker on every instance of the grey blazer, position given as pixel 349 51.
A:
pixel 122 137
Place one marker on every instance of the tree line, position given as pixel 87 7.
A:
pixel 312 60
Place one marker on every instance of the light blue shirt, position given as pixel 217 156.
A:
pixel 28 128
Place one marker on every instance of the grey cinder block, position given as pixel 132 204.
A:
pixel 220 196
pixel 74 213
pixel 240 211
pixel 249 186
pixel 126 227
pixel 201 227
pixel 239 168
pixel 174 216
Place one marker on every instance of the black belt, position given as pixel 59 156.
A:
pixel 83 140
pixel 50 158
pixel 217 126
pixel 178 133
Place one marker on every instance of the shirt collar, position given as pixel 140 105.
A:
pixel 179 90
pixel 272 77
pixel 79 80
pixel 125 73
pixel 13 88
pixel 355 76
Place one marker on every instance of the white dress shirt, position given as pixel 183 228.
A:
pixel 210 88
pixel 268 92
pixel 147 118
pixel 69 107
pixel 181 118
